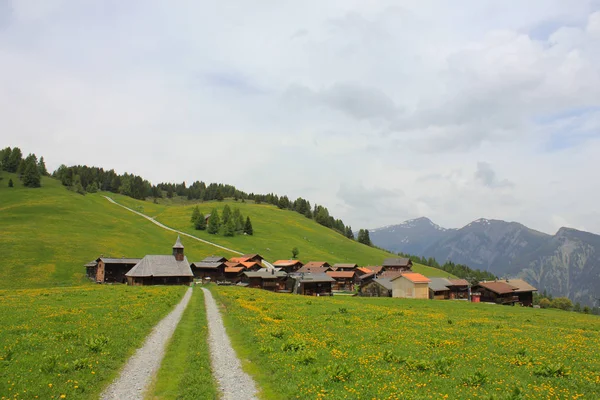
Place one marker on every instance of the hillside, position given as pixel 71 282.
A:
pixel 276 232
pixel 565 264
pixel 48 233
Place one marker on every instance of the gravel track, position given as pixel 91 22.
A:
pixel 234 383
pixel 143 365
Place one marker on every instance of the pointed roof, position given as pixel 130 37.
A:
pixel 178 244
pixel 158 265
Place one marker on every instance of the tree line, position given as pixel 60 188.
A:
pixel 83 179
pixel 545 300
pixel 29 169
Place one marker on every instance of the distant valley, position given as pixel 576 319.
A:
pixel 564 264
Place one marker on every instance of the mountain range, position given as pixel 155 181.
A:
pixel 565 264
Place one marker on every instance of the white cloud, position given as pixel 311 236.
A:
pixel 348 104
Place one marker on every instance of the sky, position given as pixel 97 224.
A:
pixel 382 111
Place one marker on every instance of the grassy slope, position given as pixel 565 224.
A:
pixel 409 349
pixel 47 234
pixel 185 370
pixel 276 232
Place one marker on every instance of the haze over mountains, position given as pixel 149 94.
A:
pixel 565 264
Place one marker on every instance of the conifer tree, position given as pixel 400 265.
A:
pixel 248 227
pixel 200 223
pixel 30 172
pixel 214 222
pixel 229 228
pixel 226 214
pixel 195 215
pixel 10 183
pixel 42 167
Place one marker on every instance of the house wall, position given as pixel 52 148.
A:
pixel 100 272
pixel 213 274
pixel 171 280
pixel 402 287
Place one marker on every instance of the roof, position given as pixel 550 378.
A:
pixel 459 282
pixel 314 270
pixel 394 262
pixel 497 287
pixel 439 284
pixel 341 274
pixel 386 283
pixel 521 285
pixel 160 266
pixel 250 264
pixel 366 276
pixel 234 269
pixel 178 244
pixel 214 259
pixel 231 264
pixel 307 278
pixel 344 266
pixel 365 270
pixel 238 259
pixel 91 264
pixel 286 263
pixel 265 274
pixel 414 277
pixel 120 260
pixel 246 257
pixel 313 264
pixel 206 265
pixel 391 275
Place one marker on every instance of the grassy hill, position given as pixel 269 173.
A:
pixel 47 234
pixel 276 232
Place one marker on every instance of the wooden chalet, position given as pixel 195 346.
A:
pixel 439 288
pixel 496 292
pixel 268 279
pixel 377 287
pixel 313 284
pixel 315 267
pixel 344 280
pixel 288 266
pixel 110 270
pixel 459 288
pixel 211 268
pixel 344 267
pixel 162 269
pixel 410 285
pixel 251 265
pixel 233 271
pixel 397 264
pixel 523 290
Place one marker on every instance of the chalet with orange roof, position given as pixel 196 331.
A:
pixel 288 266
pixel 410 285
pixel 248 258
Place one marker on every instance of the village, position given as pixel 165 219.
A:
pixel 393 278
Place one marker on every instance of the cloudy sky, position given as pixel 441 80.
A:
pixel 380 110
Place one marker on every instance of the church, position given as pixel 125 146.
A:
pixel 171 269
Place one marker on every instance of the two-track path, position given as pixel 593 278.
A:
pixel 143 365
pixel 137 375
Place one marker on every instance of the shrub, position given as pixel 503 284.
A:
pixel 339 372
pixel 96 343
pixel 562 303
pixel 551 370
pixel 293 345
pixel 544 303
pixel 477 379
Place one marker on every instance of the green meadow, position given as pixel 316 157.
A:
pixel 384 348
pixel 71 342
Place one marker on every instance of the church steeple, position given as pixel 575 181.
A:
pixel 178 249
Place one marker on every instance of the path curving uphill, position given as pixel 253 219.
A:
pixel 234 383
pixel 143 365
pixel 266 263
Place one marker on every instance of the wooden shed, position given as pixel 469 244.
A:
pixel 410 285
pixel 211 268
pixel 496 292
pixel 288 266
pixel 439 288
pixel 268 279
pixel 397 264
pixel 313 284
pixel 378 287
pixel 344 280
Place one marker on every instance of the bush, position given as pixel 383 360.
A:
pixel 562 303
pixel 544 303
pixel 477 379
pixel 551 370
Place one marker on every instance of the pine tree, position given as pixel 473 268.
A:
pixel 42 167
pixel 30 172
pixel 229 228
pixel 10 183
pixel 14 160
pixel 214 222
pixel 92 187
pixel 295 252
pixel 226 214
pixel 195 215
pixel 200 223
pixel 349 233
pixel 248 227
pixel 238 219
